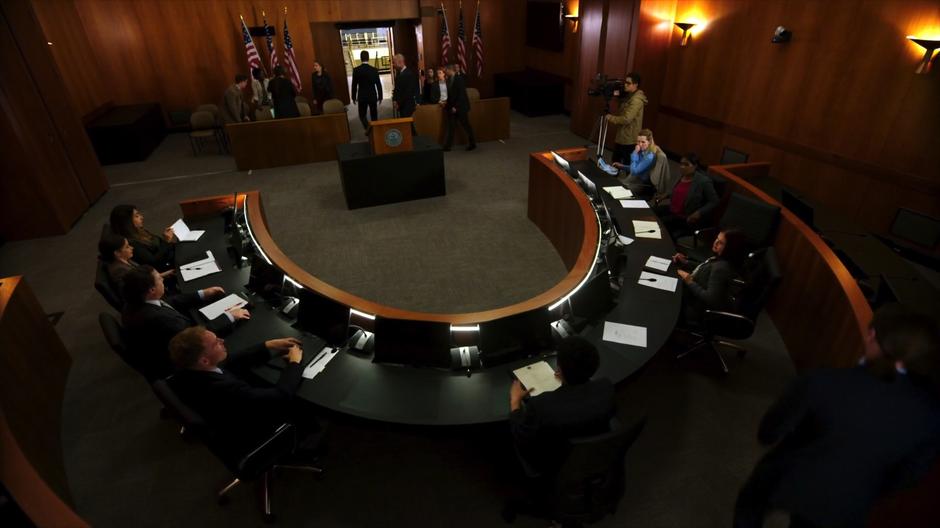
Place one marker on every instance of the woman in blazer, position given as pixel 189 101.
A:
pixel 118 253
pixel 708 284
pixel 690 200
pixel 157 251
pixel 322 86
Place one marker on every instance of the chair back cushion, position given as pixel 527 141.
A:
pixel 201 120
pixel 473 94
pixel 301 99
pixel 756 218
pixel 304 109
pixel 105 288
pixel 333 106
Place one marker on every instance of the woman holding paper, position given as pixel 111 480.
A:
pixel 159 252
pixel 708 284
pixel 117 252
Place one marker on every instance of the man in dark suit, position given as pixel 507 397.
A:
pixel 845 436
pixel 283 95
pixel 234 109
pixel 542 424
pixel 150 320
pixel 406 87
pixel 456 107
pixel 243 413
pixel 366 89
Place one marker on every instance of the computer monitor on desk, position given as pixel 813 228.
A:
pixel 409 342
pixel 562 162
pixel 264 279
pixel 589 187
pixel 515 337
pixel 323 317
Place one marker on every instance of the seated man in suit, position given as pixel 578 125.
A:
pixel 243 413
pixel 150 320
pixel 580 407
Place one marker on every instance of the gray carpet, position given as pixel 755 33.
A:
pixel 470 250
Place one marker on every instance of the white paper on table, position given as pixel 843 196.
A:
pixel 222 305
pixel 191 272
pixel 625 240
pixel 634 204
pixel 625 334
pixel 183 233
pixel 646 229
pixel 660 282
pixel 540 377
pixel 319 363
pixel 658 263
pixel 618 192
pixel 197 263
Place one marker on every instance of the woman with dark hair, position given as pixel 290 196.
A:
pixel 322 86
pixel 690 199
pixel 283 95
pixel 149 249
pixel 117 252
pixel 430 94
pixel 708 284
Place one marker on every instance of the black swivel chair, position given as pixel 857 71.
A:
pixel 590 483
pixel 756 218
pixel 258 463
pixel 761 277
pixel 114 335
pixel 105 288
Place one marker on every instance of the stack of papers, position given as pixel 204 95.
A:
pixel 646 229
pixel 221 306
pixel 182 232
pixel 658 263
pixel 634 204
pixel 319 362
pixel 540 377
pixel 660 282
pixel 618 192
pixel 625 334
pixel 200 268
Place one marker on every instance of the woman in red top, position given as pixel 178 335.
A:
pixel 691 199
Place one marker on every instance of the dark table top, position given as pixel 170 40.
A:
pixel 123 115
pixel 352 384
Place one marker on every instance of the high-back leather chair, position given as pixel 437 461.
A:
pixel 756 218
pixel 105 288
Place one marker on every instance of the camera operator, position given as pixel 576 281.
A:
pixel 629 117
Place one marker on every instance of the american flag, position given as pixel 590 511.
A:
pixel 445 36
pixel 478 42
pixel 461 41
pixel 268 36
pixel 254 60
pixel 289 57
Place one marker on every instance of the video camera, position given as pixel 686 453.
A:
pixel 602 86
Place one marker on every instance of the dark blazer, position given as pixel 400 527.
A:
pixel 116 272
pixel 545 422
pixel 366 86
pixel 406 91
pixel 843 437
pixel 711 284
pixel 457 94
pixel 242 413
pixel 702 197
pixel 432 93
pixel 282 98
pixel 322 87
pixel 159 254
pixel 150 328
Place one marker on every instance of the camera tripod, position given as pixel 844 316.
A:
pixel 598 134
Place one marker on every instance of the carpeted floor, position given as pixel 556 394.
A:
pixel 469 250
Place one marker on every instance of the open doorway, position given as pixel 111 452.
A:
pixel 378 42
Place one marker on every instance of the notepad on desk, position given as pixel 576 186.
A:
pixel 660 282
pixel 540 377
pixel 646 229
pixel 224 304
pixel 618 192
pixel 634 204
pixel 658 263
pixel 625 334
pixel 183 233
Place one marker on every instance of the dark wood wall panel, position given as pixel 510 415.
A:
pixel 585 109
pixel 563 63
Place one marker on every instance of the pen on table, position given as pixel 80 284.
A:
pixel 648 279
pixel 647 231
pixel 320 356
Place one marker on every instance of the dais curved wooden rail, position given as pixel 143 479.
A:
pixel 556 205
pixel 819 310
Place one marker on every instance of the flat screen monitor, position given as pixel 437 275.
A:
pixel 407 342
pixel 589 188
pixel 916 227
pixel 323 317
pixel 798 206
pixel 616 258
pixel 264 279
pixel 729 156
pixel 515 337
pixel 562 162
pixel 594 298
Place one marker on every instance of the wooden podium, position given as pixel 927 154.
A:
pixel 389 136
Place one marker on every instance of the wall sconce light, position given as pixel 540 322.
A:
pixel 929 46
pixel 571 18
pixel 685 27
pixel 781 35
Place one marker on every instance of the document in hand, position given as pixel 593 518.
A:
pixel 183 233
pixel 625 334
pixel 219 307
pixel 658 263
pixel 618 192
pixel 646 229
pixel 661 282
pixel 634 204
pixel 540 377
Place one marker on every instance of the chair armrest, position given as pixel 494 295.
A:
pixel 266 453
pixel 727 324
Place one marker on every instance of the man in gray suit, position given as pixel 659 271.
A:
pixel 233 104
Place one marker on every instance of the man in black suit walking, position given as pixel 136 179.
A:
pixel 244 414
pixel 150 320
pixel 456 107
pixel 406 87
pixel 366 89
pixel 845 436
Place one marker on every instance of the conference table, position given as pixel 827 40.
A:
pixel 352 384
